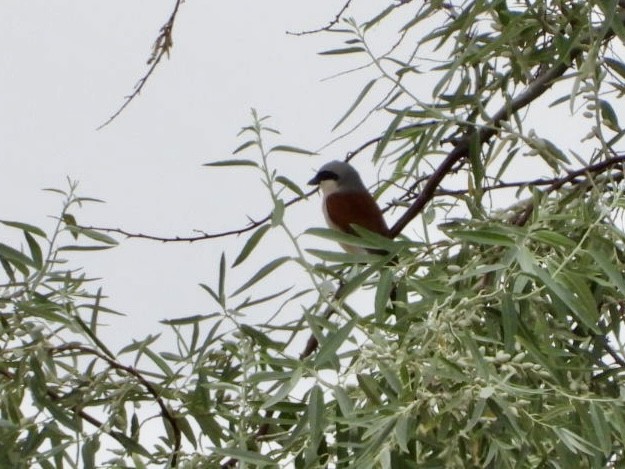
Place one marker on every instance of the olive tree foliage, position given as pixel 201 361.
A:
pixel 491 336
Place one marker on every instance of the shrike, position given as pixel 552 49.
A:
pixel 346 202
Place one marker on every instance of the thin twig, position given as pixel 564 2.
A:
pixel 541 84
pixel 162 46
pixel 190 239
pixel 332 23
pixel 254 223
pixel 522 218
pixel 260 434
pixel 165 412
pixel 104 428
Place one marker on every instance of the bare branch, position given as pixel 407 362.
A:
pixel 253 223
pixel 161 47
pixel 332 23
pixel 76 409
pixel 190 239
pixel 587 171
pixel 165 412
pixel 535 89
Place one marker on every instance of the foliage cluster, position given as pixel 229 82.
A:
pixel 493 339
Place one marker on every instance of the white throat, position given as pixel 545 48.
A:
pixel 328 186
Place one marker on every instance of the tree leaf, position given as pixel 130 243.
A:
pixel 609 117
pixel 346 50
pixel 389 133
pixel 246 456
pixel 607 265
pixel 286 182
pixel 383 292
pixel 277 216
pixel 290 149
pixel 329 346
pixel 242 147
pixel 251 243
pixel 587 316
pixel 355 104
pixel 316 412
pixel 25 227
pixel 370 387
pixel 484 236
pixel 93 234
pixel 284 390
pixel 35 250
pixel 15 257
pixel 616 65
pixel 221 290
pixel 262 273
pixel 232 163
pixel 73 247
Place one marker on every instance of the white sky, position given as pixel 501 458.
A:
pixel 65 68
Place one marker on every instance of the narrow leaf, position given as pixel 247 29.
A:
pixel 232 163
pixel 370 387
pixel 277 216
pixel 290 149
pixel 95 235
pixel 158 361
pixel 210 291
pixel 316 412
pixel 284 390
pixel 286 182
pixel 401 432
pixel 243 455
pixel 346 50
pixel 608 116
pixel 14 256
pixel 245 145
pixel 35 250
pixel 383 292
pixel 73 247
pixel 222 280
pixel 588 317
pixel 329 347
pixel 251 243
pixel 360 97
pixel 262 273
pixel 388 135
pixel 24 227
pixel 484 237
pixel 614 274
pixel 188 320
pixel 615 65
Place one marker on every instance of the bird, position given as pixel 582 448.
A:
pixel 347 202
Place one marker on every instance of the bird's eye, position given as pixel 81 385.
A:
pixel 327 175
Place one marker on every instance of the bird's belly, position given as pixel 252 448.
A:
pixel 347 247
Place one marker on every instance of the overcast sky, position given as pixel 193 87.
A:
pixel 66 67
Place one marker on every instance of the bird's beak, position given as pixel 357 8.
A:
pixel 314 181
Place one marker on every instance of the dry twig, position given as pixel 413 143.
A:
pixel 161 47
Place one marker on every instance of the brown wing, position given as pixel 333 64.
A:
pixel 345 208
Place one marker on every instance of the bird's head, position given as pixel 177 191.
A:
pixel 337 176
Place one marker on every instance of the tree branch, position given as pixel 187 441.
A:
pixel 104 428
pixel 190 239
pixel 165 412
pixel 535 89
pixel 254 223
pixel 332 23
pixel 522 218
pixel 161 47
